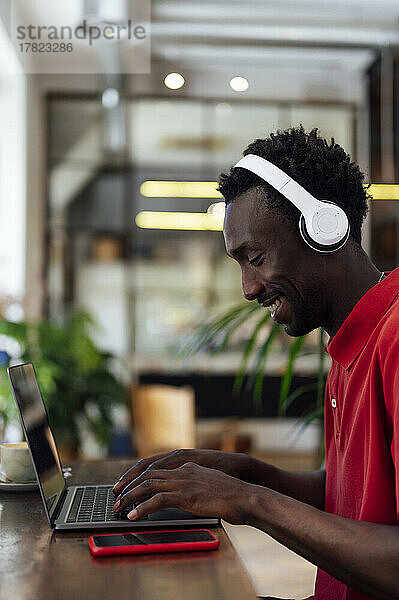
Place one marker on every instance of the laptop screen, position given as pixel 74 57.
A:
pixel 38 434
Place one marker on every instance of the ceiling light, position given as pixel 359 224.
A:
pixel 217 209
pixel 183 221
pixel 180 189
pixel 239 84
pixel 383 191
pixel 110 98
pixel 174 81
pixel 212 220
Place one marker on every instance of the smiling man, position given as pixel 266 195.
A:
pixel 345 518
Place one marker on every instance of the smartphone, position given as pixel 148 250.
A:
pixel 150 542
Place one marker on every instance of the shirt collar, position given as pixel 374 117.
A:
pixel 358 326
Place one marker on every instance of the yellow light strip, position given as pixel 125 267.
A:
pixel 147 219
pixel 384 191
pixel 180 189
pixel 213 220
pixel 207 189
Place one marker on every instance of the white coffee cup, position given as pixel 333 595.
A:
pixel 16 462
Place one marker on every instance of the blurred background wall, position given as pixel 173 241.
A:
pixel 85 157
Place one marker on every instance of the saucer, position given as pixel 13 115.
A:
pixel 16 486
pixel 13 486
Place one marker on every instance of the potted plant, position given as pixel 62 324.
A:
pixel 74 376
pixel 261 334
pixel 8 411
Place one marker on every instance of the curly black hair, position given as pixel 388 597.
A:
pixel 324 169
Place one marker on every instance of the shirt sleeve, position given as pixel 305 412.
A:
pixel 390 381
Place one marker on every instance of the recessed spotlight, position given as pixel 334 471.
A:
pixel 239 84
pixel 110 98
pixel 174 81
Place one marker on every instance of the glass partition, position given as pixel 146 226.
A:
pixel 148 287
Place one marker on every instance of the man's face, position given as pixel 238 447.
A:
pixel 277 267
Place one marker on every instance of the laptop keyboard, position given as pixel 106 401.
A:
pixel 94 504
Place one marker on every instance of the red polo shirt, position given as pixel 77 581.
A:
pixel 362 419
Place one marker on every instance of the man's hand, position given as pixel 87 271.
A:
pixel 228 462
pixel 190 487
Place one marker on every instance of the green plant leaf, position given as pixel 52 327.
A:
pixel 202 335
pixel 72 373
pixel 205 336
pixel 8 409
pixel 14 330
pixel 214 336
pixel 249 348
pixel 314 414
pixel 232 327
pixel 287 377
pixel 255 381
pixel 321 376
pixel 298 392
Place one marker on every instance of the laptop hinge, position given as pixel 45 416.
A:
pixel 59 506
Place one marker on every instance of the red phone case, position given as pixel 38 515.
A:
pixel 153 548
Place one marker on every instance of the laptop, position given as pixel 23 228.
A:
pixel 75 507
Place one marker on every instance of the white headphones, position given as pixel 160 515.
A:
pixel 323 225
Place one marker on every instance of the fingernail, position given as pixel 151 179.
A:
pixel 132 515
pixel 116 505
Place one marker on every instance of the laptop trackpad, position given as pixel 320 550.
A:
pixel 169 514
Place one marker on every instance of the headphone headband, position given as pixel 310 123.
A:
pixel 323 225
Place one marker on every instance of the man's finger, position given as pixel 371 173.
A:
pixel 145 478
pixel 168 460
pixel 184 471
pixel 150 473
pixel 143 489
pixel 140 492
pixel 134 472
pixel 157 502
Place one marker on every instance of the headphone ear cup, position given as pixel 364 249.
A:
pixel 315 245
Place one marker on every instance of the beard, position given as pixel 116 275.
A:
pixel 305 314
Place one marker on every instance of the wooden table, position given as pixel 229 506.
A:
pixel 36 563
